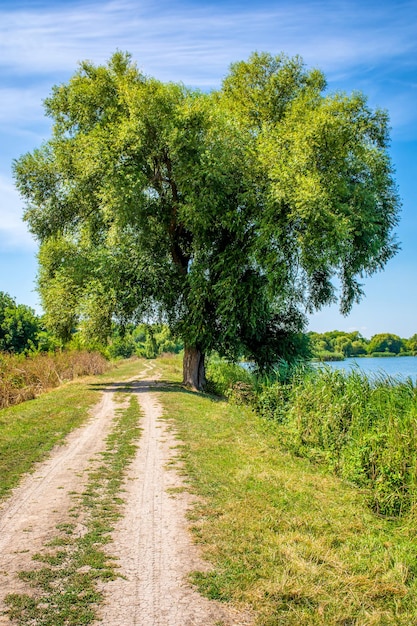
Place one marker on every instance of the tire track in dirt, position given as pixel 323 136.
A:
pixel 43 499
pixel 152 544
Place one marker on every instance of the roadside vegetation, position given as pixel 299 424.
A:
pixel 363 430
pixel 286 536
pixel 25 377
pixel 287 531
pixel 33 360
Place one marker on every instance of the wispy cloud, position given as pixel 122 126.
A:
pixel 196 44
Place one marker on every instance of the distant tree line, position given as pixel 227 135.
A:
pixel 337 345
pixel 22 331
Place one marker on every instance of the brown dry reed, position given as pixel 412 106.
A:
pixel 23 378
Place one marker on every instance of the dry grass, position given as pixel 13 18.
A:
pixel 23 378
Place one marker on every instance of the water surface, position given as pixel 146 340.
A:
pixel 398 367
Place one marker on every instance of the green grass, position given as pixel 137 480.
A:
pixel 363 429
pixel 298 546
pixel 29 431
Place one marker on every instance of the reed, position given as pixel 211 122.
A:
pixel 25 377
pixel 363 429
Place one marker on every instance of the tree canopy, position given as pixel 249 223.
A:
pixel 227 215
pixel 19 326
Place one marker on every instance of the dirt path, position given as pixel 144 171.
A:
pixel 42 501
pixel 151 542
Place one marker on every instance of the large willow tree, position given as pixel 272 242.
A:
pixel 228 215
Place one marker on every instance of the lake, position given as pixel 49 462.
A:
pixel 399 367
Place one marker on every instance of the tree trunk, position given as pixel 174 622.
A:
pixel 194 372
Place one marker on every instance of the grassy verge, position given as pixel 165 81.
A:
pixel 363 429
pixel 65 590
pixel 29 431
pixel 299 546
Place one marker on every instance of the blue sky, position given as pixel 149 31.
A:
pixel 371 47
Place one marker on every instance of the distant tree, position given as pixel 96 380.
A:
pixel 6 302
pixel 385 342
pixel 359 347
pixel 227 215
pixel 411 344
pixel 19 325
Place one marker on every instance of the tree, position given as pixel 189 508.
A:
pixel 411 344
pixel 386 342
pixel 19 325
pixel 225 215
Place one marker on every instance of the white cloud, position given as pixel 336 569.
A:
pixel 13 231
pixel 196 45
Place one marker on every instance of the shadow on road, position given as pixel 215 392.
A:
pixel 142 386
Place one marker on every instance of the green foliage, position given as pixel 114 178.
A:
pixel 223 376
pixel 364 430
pixel 146 340
pixel 336 344
pixel 283 537
pixel 19 326
pixel 225 215
pixel 411 344
pixel 386 342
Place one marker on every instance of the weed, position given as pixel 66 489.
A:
pixel 25 377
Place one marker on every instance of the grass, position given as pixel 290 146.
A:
pixel 29 431
pixel 23 377
pixel 299 546
pixel 364 429
pixel 65 584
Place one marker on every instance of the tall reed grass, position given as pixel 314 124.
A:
pixel 363 429
pixel 23 378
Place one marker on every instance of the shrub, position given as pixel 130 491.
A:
pixel 222 377
pixel 364 430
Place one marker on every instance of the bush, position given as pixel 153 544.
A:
pixel 364 430
pixel 330 356
pixel 122 348
pixel 222 377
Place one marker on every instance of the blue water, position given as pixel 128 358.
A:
pixel 398 367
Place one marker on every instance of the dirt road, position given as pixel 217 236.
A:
pixel 151 542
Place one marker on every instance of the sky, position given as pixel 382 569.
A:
pixel 370 47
